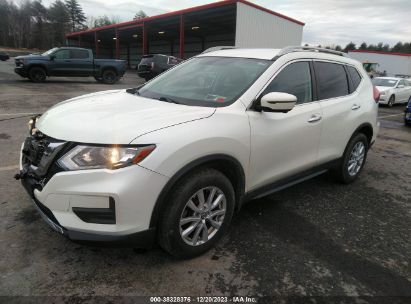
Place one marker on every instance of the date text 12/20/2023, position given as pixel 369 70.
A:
pixel 205 299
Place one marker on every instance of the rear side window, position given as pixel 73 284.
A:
pixel 79 54
pixel 294 79
pixel 331 80
pixel 355 77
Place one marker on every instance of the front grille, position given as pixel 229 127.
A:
pixel 39 157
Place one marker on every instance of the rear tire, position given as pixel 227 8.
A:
pixel 109 77
pixel 353 160
pixel 391 101
pixel 37 74
pixel 207 224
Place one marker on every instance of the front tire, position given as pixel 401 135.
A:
pixel 37 74
pixel 391 101
pixel 198 213
pixel 353 160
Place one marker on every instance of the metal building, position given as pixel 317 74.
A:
pixel 187 32
pixel 392 63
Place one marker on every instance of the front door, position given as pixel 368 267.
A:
pixel 284 144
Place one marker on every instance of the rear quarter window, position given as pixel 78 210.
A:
pixel 331 80
pixel 355 77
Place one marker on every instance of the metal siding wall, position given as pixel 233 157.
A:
pixel 391 63
pixel 259 29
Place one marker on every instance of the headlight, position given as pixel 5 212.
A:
pixel 100 157
pixel 383 92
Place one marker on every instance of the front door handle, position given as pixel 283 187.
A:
pixel 315 117
pixel 355 107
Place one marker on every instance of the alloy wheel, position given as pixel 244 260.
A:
pixel 202 216
pixel 356 158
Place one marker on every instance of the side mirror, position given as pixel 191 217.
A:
pixel 400 86
pixel 52 57
pixel 278 102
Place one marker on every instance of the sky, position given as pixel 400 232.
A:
pixel 328 22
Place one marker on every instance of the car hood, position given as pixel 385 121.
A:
pixel 383 89
pixel 114 117
pixel 32 57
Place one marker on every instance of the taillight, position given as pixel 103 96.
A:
pixel 376 94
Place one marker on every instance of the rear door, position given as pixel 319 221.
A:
pixel 341 107
pixel 81 62
pixel 284 144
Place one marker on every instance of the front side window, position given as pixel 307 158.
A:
pixel 294 79
pixel 206 81
pixel 331 80
pixel 62 54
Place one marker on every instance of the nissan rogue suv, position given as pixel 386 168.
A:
pixel 172 160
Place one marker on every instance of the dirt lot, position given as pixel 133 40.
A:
pixel 317 238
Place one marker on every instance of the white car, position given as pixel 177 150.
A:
pixel 393 90
pixel 175 158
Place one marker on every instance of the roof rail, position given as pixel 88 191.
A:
pixel 218 48
pixel 292 49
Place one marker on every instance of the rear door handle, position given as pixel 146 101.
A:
pixel 355 107
pixel 314 118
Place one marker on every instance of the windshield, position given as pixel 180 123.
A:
pixel 384 82
pixel 49 52
pixel 206 81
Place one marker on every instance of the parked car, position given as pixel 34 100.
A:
pixel 4 56
pixel 152 65
pixel 407 113
pixel 173 159
pixel 393 90
pixel 69 62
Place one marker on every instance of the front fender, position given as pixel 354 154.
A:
pixel 179 145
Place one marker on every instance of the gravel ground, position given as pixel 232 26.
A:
pixel 317 239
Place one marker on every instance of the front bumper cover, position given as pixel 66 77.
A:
pixel 38 176
pixel 141 239
pixel 20 71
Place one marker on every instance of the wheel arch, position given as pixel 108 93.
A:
pixel 38 65
pixel 226 164
pixel 112 68
pixel 367 130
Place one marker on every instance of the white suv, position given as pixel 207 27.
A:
pixel 175 158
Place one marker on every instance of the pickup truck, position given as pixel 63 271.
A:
pixel 69 62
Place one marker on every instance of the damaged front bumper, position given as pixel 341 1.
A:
pixel 89 205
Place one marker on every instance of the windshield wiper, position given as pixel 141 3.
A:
pixel 166 99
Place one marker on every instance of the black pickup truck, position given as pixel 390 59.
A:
pixel 69 62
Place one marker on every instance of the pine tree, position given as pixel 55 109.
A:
pixel 60 22
pixel 349 47
pixel 140 15
pixel 76 14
